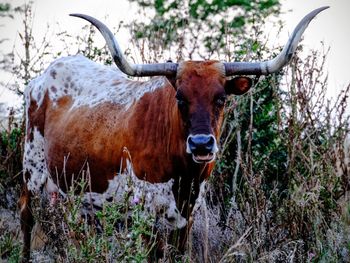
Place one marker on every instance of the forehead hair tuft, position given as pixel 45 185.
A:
pixel 201 68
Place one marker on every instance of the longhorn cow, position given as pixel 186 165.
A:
pixel 80 112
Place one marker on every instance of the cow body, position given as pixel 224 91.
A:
pixel 80 116
pixel 88 116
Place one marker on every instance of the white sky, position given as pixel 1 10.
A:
pixel 332 26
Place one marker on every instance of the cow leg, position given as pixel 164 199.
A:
pixel 179 238
pixel 182 190
pixel 183 236
pixel 27 221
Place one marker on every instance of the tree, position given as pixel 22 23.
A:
pixel 199 28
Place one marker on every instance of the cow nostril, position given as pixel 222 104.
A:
pixel 202 143
pixel 210 143
pixel 191 144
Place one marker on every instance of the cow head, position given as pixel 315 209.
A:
pixel 201 92
pixel 202 87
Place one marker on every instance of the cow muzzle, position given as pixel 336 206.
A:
pixel 203 147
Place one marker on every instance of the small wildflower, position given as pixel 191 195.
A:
pixel 135 200
pixel 311 255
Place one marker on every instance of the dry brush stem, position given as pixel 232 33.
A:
pixel 233 251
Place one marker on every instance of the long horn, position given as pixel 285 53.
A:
pixel 273 65
pixel 137 70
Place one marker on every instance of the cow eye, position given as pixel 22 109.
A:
pixel 181 101
pixel 220 102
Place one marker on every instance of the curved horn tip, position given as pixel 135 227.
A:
pixel 310 16
pixel 85 17
pixel 74 14
pixel 322 8
pixel 81 16
pixel 315 12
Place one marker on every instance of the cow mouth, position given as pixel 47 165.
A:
pixel 202 158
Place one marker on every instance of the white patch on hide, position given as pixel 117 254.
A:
pixel 51 187
pixel 34 161
pixel 89 83
pixel 158 197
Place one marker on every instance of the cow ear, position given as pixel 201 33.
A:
pixel 238 85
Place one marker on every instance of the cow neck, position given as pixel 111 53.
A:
pixel 187 174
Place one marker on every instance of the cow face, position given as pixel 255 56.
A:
pixel 201 92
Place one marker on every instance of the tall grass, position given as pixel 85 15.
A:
pixel 11 142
